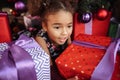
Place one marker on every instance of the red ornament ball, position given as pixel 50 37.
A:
pixel 102 14
pixel 15 13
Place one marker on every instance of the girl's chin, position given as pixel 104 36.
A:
pixel 59 43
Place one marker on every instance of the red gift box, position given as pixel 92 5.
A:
pixel 81 61
pixel 5 34
pixel 98 27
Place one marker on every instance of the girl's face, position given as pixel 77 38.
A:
pixel 59 27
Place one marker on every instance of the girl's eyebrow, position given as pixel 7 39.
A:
pixel 56 23
pixel 70 23
pixel 60 23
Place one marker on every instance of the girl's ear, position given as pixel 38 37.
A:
pixel 44 26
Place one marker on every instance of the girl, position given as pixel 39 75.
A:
pixel 57 25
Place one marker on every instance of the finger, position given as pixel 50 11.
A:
pixel 76 77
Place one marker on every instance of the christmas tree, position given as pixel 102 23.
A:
pixel 92 5
pixel 87 9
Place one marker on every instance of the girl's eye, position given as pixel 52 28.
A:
pixel 70 26
pixel 57 27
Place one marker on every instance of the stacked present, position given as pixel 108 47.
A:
pixel 114 28
pixel 81 60
pixel 5 35
pixel 93 27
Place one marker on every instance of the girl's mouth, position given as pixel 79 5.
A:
pixel 63 40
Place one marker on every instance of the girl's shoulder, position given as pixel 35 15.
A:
pixel 42 43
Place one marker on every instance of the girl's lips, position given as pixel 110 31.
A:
pixel 63 39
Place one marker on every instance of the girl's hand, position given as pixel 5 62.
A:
pixel 74 78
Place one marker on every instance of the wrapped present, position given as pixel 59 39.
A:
pixel 94 27
pixel 81 60
pixel 114 28
pixel 5 35
pixel 23 59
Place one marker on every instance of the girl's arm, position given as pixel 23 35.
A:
pixel 43 44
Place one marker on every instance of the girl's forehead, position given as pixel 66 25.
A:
pixel 62 18
pixel 60 14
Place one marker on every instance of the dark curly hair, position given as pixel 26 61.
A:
pixel 40 6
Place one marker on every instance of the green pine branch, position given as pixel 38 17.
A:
pixel 91 5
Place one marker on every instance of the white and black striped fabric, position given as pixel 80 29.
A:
pixel 40 58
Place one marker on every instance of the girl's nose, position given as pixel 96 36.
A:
pixel 65 31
